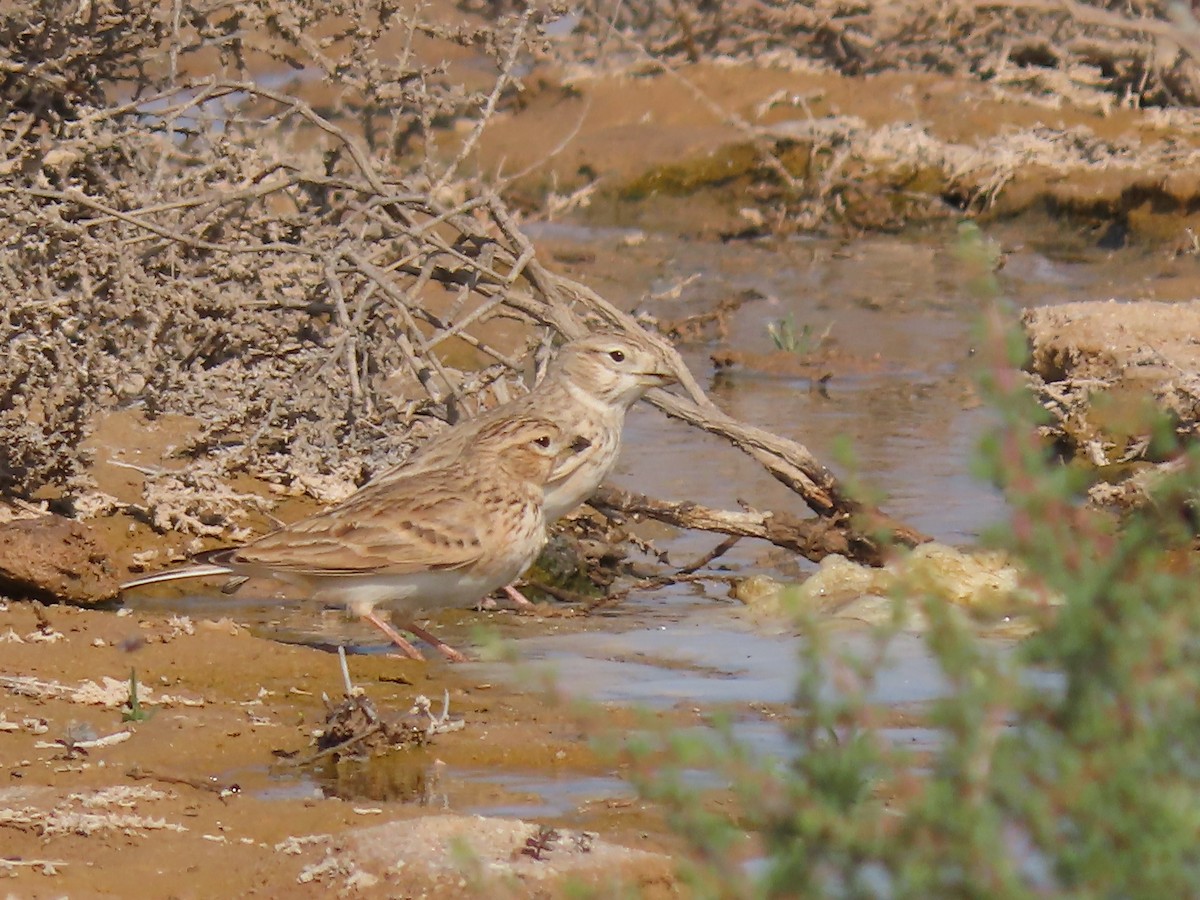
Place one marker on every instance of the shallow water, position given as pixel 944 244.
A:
pixel 901 398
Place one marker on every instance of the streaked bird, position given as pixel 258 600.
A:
pixel 587 390
pixel 436 535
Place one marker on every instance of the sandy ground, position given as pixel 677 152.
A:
pixel 155 813
pixel 1103 368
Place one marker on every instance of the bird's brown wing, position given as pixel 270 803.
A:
pixel 411 527
pixel 446 448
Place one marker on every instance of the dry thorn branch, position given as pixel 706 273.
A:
pixel 505 78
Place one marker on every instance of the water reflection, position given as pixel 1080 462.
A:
pixel 411 776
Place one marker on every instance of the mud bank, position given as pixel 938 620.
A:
pixel 749 150
pixel 203 796
pixel 1119 381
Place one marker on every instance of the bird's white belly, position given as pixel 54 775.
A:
pixel 407 594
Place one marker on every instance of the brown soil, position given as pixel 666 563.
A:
pixel 78 570
pixel 685 151
pixel 227 708
pixel 1104 366
pixel 1144 342
pixel 1107 373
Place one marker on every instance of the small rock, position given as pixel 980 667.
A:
pixel 758 590
pixel 838 580
pixel 54 558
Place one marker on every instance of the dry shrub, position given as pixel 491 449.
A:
pixel 256 215
pixel 183 233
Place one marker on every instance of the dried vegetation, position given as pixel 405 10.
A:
pixel 256 216
pixel 209 246
pixel 808 161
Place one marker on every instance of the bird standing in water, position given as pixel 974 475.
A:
pixel 437 535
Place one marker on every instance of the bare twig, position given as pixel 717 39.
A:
pixel 83 200
pixel 240 242
pixel 715 553
pixel 350 338
pixel 812 538
pixel 516 42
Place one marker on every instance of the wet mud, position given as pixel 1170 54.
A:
pixel 209 787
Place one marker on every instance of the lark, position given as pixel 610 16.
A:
pixel 588 388
pixel 439 535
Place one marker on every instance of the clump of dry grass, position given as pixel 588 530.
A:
pixel 1139 53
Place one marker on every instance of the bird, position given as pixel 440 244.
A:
pixel 438 535
pixel 589 386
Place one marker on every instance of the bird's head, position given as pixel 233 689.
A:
pixel 614 367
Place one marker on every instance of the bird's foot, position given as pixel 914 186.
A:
pixel 438 644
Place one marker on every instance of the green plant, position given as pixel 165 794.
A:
pixel 134 711
pixel 804 342
pixel 784 336
pixel 1064 766
pixel 980 256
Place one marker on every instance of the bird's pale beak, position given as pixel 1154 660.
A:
pixel 658 378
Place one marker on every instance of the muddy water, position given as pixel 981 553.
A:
pixel 899 396
pixel 902 315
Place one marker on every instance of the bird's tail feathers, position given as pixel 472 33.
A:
pixel 195 571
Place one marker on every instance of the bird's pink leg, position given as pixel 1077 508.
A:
pixel 438 644
pixel 518 599
pixel 396 638
pixel 409 650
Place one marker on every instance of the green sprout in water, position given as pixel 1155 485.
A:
pixel 982 257
pixel 785 337
pixel 135 712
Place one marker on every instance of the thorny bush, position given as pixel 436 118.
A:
pixel 182 233
pixel 257 216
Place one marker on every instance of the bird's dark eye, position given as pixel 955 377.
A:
pixel 617 355
pixel 543 441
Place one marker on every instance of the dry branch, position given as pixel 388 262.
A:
pixel 813 538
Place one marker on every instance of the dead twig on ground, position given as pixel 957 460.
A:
pixel 813 538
